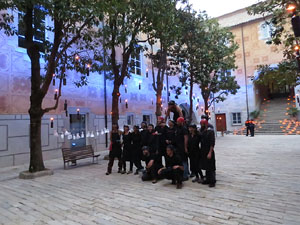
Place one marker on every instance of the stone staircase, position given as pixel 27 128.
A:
pixel 274 120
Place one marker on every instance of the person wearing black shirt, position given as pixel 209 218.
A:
pixel 170 136
pixel 210 126
pixel 194 152
pixel 152 139
pixel 144 132
pixel 161 130
pixel 174 167
pixel 127 150
pixel 136 139
pixel 207 153
pixel 153 164
pixel 181 136
pixel 115 148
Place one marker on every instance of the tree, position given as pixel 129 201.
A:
pixel 282 75
pixel 125 26
pixel 276 16
pixel 72 23
pixel 166 31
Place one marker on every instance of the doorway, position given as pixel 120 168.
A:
pixel 77 127
pixel 221 122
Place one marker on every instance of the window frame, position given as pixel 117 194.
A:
pixel 237 121
pixel 136 58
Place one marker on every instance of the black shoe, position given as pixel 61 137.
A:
pixel 119 171
pixel 192 175
pixel 185 179
pixel 205 182
pixel 136 172
pixel 107 173
pixel 123 172
pixel 212 185
pixel 179 185
pixel 173 182
pixel 196 179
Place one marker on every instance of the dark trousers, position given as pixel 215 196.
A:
pixel 252 131
pixel 195 165
pixel 171 174
pixel 247 131
pixel 151 174
pixel 111 163
pixel 211 176
pixel 124 165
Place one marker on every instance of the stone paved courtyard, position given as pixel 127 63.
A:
pixel 258 183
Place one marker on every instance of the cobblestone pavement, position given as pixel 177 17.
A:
pixel 258 183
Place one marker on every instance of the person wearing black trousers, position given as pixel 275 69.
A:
pixel 115 148
pixel 136 139
pixel 153 164
pixel 161 130
pixel 174 167
pixel 194 153
pixel 207 153
pixel 127 150
pixel 170 135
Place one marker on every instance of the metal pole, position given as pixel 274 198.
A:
pixel 245 69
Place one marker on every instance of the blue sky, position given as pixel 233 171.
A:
pixel 216 8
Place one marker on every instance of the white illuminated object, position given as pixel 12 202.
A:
pixel 73 137
pixel 92 134
pixel 88 134
pixel 106 130
pixel 77 136
pixel 102 132
pixel 82 134
pixel 55 133
pixel 97 133
pixel 62 136
pixel 70 136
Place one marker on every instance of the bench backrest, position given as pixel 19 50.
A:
pixel 71 153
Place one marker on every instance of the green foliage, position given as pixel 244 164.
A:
pixel 293 111
pixel 207 52
pixel 254 114
pixel 280 76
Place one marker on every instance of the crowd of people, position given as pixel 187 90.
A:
pixel 174 151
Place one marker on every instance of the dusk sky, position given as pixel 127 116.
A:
pixel 220 7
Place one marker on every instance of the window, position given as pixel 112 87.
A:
pixel 147 119
pixel 39 15
pixel 136 62
pixel 236 119
pixel 265 31
pixel 130 119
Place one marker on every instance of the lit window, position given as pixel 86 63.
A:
pixel 136 63
pixel 265 31
pixel 236 118
pixel 39 15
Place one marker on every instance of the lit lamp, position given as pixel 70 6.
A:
pixel 78 115
pixel 125 88
pixel 147 71
pixel 53 80
pixel 140 85
pixel 56 94
pixel 51 122
pixel 77 60
pixel 88 66
pixel 126 104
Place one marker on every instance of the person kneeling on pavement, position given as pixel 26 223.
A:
pixel 174 167
pixel 153 164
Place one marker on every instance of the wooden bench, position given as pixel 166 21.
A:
pixel 76 153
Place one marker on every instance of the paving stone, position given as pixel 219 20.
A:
pixel 258 182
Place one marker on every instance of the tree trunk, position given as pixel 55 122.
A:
pixel 115 103
pixel 191 100
pixel 158 100
pixel 36 156
pixel 205 105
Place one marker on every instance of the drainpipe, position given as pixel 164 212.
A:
pixel 245 69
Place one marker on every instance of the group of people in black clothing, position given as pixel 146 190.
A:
pixel 175 143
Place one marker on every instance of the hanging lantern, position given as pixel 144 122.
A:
pixel 126 104
pixel 120 100
pixel 197 107
pixel 78 115
pixel 64 81
pixel 140 85
pixel 66 105
pixel 51 122
pixel 152 101
pixel 77 60
pixel 198 99
pixel 88 66
pixel 56 94
pixel 53 79
pixel 125 88
pixel 147 73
